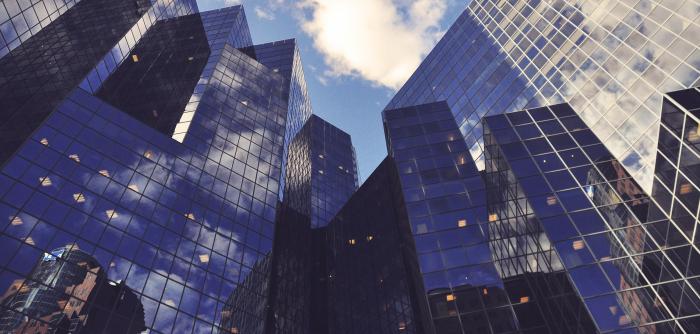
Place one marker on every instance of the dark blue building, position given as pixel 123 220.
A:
pixel 158 155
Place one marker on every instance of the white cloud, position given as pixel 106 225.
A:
pixel 232 2
pixel 382 41
pixel 264 14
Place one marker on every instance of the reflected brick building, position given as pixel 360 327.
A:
pixel 68 292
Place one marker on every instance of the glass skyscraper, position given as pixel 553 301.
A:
pixel 162 173
pixel 611 61
pixel 322 171
pixel 142 169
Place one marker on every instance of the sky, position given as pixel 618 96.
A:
pixel 356 54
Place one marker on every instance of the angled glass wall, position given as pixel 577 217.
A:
pixel 611 61
pixel 571 208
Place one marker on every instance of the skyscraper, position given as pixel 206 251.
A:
pixel 323 171
pixel 157 154
pixel 611 61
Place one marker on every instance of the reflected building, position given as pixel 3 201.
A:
pixel 586 218
pixel 157 150
pixel 611 61
pixel 68 292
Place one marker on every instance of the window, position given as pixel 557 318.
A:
pixel 135 58
pixel 79 197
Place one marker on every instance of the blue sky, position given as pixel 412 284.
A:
pixel 355 54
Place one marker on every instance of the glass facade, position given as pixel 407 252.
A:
pixel 445 200
pixel 564 206
pixel 322 172
pixel 283 57
pixel 677 177
pixel 611 61
pixel 110 225
pixel 40 72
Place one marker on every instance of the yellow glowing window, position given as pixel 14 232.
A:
pixel 369 238
pixel 29 241
pixel 450 297
pixel 44 141
pixel 485 291
pixel 79 197
pixel 45 181
pixel 493 217
pixel 352 241
pixel 551 200
pixel 624 320
pixel 234 330
pixel 190 216
pixel 74 157
pixel 135 58
pixel 111 214
pixel 148 154
pixel 16 221
pixel 462 223
pixel 577 245
pixel 686 188
pixel 204 258
pixel 104 173
pixel 524 299
pixel 134 187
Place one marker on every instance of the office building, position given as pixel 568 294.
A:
pixel 322 171
pixel 156 152
pixel 611 61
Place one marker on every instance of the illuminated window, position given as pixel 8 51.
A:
pixel 402 326
pixel 320 156
pixel 190 216
pixel 613 309
pixel 79 197
pixel 624 320
pixel 245 103
pixel 170 303
pixel 74 157
pixel 148 154
pixel 450 297
pixel 320 171
pixel 369 238
pixel 686 188
pixel 340 167
pixel 352 241
pixel 524 299
pixel 134 187
pixel 485 291
pixel 44 141
pixel 16 221
pixel 493 217
pixel 234 330
pixel 135 58
pixel 577 245
pixel 190 58
pixel 45 181
pixel 104 173
pixel 462 223
pixel 551 200
pixel 29 241
pixel 111 214
pixel 204 258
